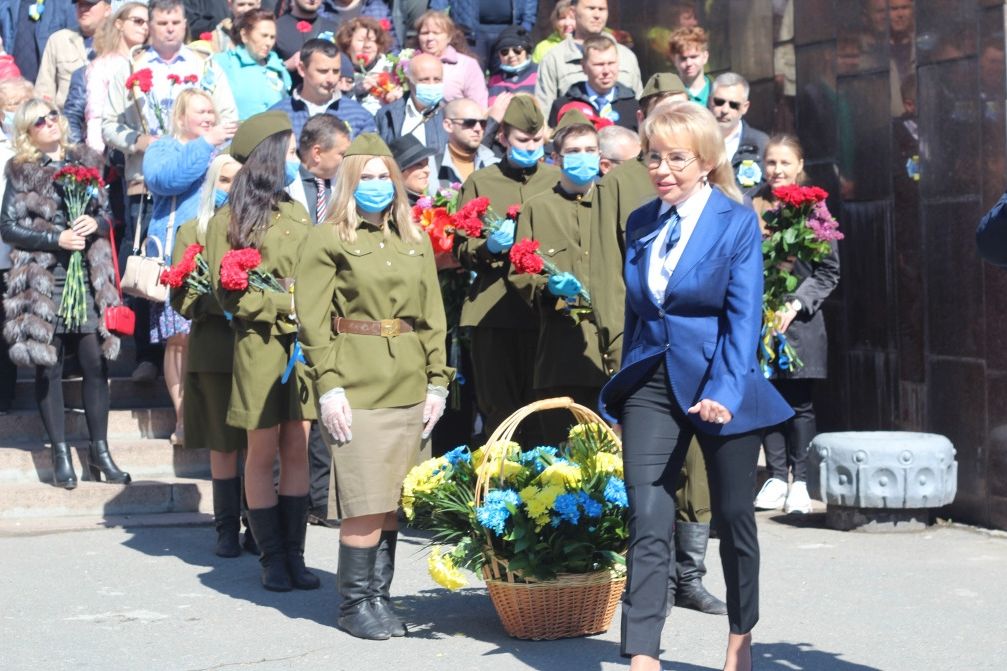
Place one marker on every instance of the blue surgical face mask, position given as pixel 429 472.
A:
pixel 525 158
pixel 8 121
pixel 293 170
pixel 219 198
pixel 374 195
pixel 581 168
pixel 429 94
pixel 514 69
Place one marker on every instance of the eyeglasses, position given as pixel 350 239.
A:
pixel 507 51
pixel 676 160
pixel 51 116
pixel 137 21
pixel 470 123
pixel 720 102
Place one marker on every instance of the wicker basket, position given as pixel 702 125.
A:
pixel 572 604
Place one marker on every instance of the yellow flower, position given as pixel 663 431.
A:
pixel 594 432
pixel 539 501
pixel 606 462
pixel 443 570
pixel 423 478
pixel 561 473
pixel 492 469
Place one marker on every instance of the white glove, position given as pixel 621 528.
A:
pixel 433 408
pixel 335 414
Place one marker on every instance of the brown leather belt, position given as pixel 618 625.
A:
pixel 386 328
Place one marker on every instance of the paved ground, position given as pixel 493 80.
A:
pixel 156 598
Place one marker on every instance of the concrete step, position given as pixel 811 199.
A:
pixel 124 393
pixel 98 499
pixel 25 426
pixel 143 459
pixel 37 526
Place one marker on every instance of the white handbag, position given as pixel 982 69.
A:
pixel 142 276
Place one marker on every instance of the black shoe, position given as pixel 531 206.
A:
pixel 384 571
pixel 320 518
pixel 226 516
pixel 99 462
pixel 294 513
pixel 357 613
pixel 690 554
pixel 268 529
pixel 62 467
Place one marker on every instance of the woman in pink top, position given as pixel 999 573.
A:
pixel 463 76
pixel 112 44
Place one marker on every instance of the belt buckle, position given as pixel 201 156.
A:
pixel 389 327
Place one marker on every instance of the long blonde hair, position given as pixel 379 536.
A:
pixel 343 210
pixel 107 38
pixel 207 195
pixel 181 106
pixel 25 150
pixel 687 119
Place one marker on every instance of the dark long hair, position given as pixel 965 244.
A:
pixel 257 187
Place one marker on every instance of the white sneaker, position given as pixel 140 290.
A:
pixel 772 495
pixel 798 500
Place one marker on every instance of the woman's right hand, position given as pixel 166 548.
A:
pixel 70 241
pixel 221 133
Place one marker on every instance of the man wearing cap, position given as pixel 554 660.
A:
pixel 744 144
pixel 561 66
pixel 574 356
pixel 465 123
pixel 320 66
pixel 607 97
pixel 504 328
pixel 69 49
pixel 420 112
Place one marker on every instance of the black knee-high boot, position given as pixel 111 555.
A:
pixel 381 583
pixel 357 611
pixel 690 554
pixel 226 510
pixel 294 513
pixel 268 529
pixel 248 541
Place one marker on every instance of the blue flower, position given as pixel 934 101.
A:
pixel 591 507
pixel 494 513
pixel 566 506
pixel 615 492
pixel 459 455
pixel 536 457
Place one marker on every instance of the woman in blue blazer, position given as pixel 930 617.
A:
pixel 693 313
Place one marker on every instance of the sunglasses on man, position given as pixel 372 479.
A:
pixel 733 104
pixel 468 124
pixel 51 116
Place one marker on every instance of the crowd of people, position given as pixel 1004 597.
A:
pixel 312 133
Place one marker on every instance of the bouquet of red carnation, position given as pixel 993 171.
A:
pixel 79 185
pixel 798 228
pixel 143 81
pixel 239 269
pixel 476 219
pixel 526 260
pixel 191 270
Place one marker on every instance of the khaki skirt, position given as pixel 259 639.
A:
pixel 368 471
pixel 205 413
pixel 258 399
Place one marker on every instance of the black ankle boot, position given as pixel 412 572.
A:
pixel 294 513
pixel 357 613
pixel 62 467
pixel 268 529
pixel 381 584
pixel 99 462
pixel 226 508
pixel 690 554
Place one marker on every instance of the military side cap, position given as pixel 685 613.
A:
pixel 662 82
pixel 524 114
pixel 254 130
pixel 368 144
pixel 573 117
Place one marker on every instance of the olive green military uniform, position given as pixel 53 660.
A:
pixel 375 277
pixel 207 385
pixel 504 327
pixel 263 324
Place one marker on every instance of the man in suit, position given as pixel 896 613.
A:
pixel 745 145
pixel 601 90
pixel 420 112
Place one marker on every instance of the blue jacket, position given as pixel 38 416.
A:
pixel 73 108
pixel 174 173
pixel 707 329
pixel 256 87
pixel 391 117
pixel 346 108
pixel 58 14
pixel 466 12
pixel 991 236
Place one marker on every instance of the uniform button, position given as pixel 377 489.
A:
pixel 586 253
pixel 388 263
pixel 412 251
pixel 551 251
pixel 381 245
pixel 356 251
pixel 660 313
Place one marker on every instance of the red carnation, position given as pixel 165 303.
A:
pixel 385 24
pixel 469 226
pixel 799 196
pixel 524 257
pixel 206 37
pixel 173 277
pixel 174 79
pixel 191 79
pixel 475 208
pixel 235 265
pixel 513 211
pixel 303 27
pixel 142 79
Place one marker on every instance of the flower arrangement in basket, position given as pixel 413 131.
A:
pixel 545 527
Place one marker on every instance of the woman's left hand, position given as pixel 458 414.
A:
pixel 84 225
pixel 711 411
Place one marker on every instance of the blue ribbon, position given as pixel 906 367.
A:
pixel 781 351
pixel 296 357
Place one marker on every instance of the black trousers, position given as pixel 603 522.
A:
pixel 656 435
pixel 787 444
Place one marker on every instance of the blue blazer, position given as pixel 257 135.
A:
pixel 707 327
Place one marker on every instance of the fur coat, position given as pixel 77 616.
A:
pixel 33 216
